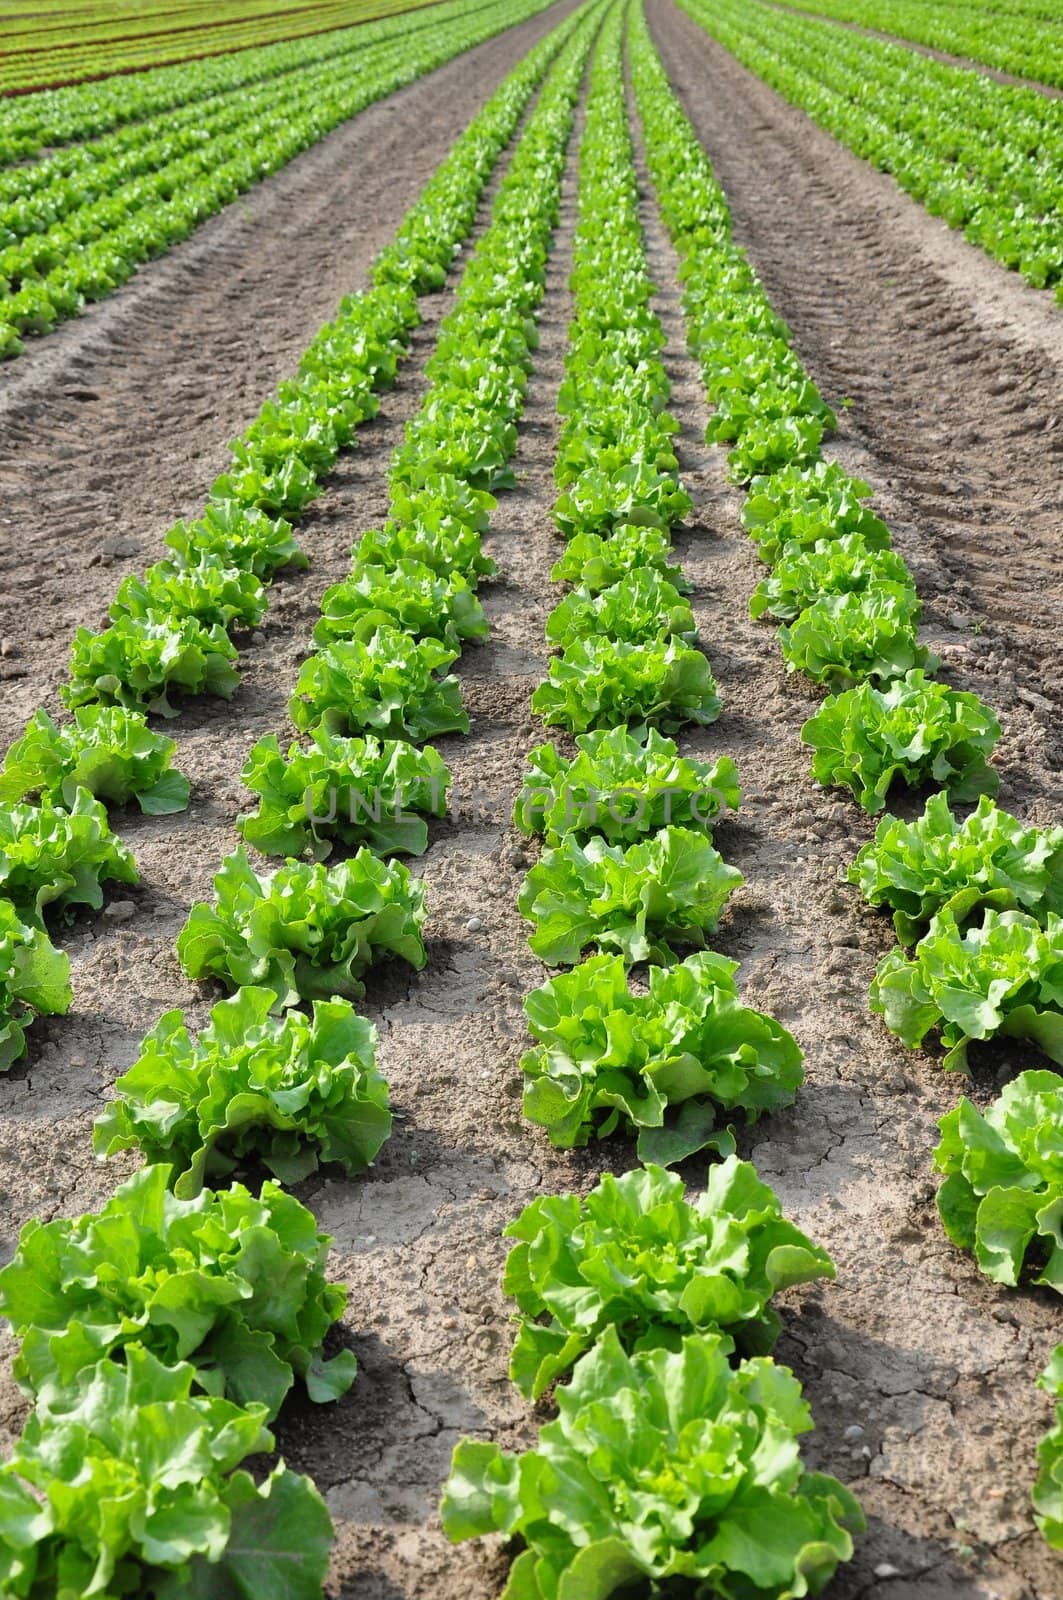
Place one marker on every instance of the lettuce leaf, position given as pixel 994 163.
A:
pixel 939 862
pixel 639 609
pixel 134 1489
pixel 633 1255
pixel 916 731
pixel 232 1284
pixel 139 661
pixel 239 536
pixel 213 592
pixel 598 683
pixel 305 931
pixel 659 1063
pixel 1048 1489
pixel 59 857
pixel 1003 1189
pixel 288 1092
pixel 847 638
pixel 408 596
pixel 621 787
pixel 361 791
pixel 667 890
pixel 107 751
pixel 1003 976
pixel 34 981
pixel 663 1467
pixel 804 574
pixel 595 562
pixel 387 685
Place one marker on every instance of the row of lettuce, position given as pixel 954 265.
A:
pixel 159 1336
pixel 43 52
pixel 976 899
pixel 981 154
pixel 676 1440
pixel 79 223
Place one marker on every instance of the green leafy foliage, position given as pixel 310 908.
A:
pixel 802 506
pixel 1002 976
pixel 216 594
pixel 912 730
pixel 305 931
pixel 1003 1188
pixel 635 1256
pixel 34 981
pixel 943 863
pixel 288 1092
pixel 1048 1489
pixel 661 1063
pixel 59 857
pixel 387 685
pixel 595 561
pixel 804 574
pixel 408 596
pixel 232 1284
pixel 848 638
pixel 621 787
pixel 107 751
pixel 641 900
pixel 642 607
pixel 139 662
pixel 638 493
pixel 368 791
pixel 237 536
pixel 663 1467
pixel 132 1490
pixel 598 683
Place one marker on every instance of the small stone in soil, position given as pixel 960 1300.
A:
pixel 474 925
pixel 120 910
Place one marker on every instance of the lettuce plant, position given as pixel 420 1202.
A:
pixel 666 890
pixel 804 574
pixel 1003 976
pixel 209 590
pixel 1048 1489
pixel 361 791
pixel 408 596
pixel 638 492
pixel 641 608
pixel 107 751
pixel 659 1063
pixel 452 550
pixel 280 486
pixel 916 731
pixel 134 1490
pixel 288 1092
pixel 848 638
pixel 595 561
pixel 598 683
pixel 305 931
pixel 769 442
pixel 635 1256
pixel 664 1467
pixel 139 662
pixel 939 863
pixel 621 787
pixel 59 857
pixel 232 1284
pixel 1003 1187
pixel 238 536
pixel 385 685
pixel 34 981
pixel 800 507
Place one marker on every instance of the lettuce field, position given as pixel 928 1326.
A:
pixel 531 800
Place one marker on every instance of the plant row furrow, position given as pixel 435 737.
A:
pixel 160 1336
pixel 676 1440
pixel 981 899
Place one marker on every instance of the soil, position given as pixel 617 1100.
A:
pixel 920 1374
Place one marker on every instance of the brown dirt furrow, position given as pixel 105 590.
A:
pixel 920 1374
pixel 944 56
pixel 117 424
pixel 953 367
